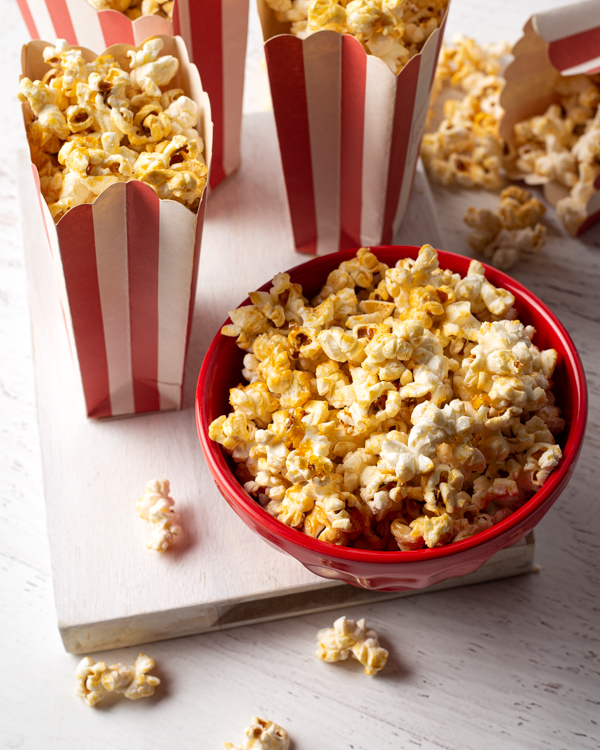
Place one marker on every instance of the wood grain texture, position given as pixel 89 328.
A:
pixel 508 664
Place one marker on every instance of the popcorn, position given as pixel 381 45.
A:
pixel 156 506
pixel 467 149
pixel 417 428
pixel 508 234
pixel 96 679
pixel 93 124
pixel 263 734
pixel 393 30
pixel 134 9
pixel 349 637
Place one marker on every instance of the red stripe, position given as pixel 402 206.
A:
pixel 116 28
pixel 143 219
pixel 61 20
pixel 207 54
pixel 28 18
pixel 406 91
pixel 78 254
pixel 354 81
pixel 285 65
pixel 590 221
pixel 575 50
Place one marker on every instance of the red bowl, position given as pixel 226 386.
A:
pixel 386 570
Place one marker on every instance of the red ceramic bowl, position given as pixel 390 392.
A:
pixel 397 571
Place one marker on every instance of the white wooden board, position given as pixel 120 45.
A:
pixel 110 590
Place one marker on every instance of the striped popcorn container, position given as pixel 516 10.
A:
pixel 349 132
pixel 214 31
pixel 563 41
pixel 127 267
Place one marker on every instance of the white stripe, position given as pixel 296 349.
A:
pixel 322 54
pixel 150 26
pixel 380 98
pixel 110 236
pixel 86 25
pixel 588 67
pixel 177 235
pixel 234 28
pixel 183 11
pixel 42 20
pixel 421 105
pixel 567 20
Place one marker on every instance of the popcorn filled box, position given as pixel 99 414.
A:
pixel 552 111
pixel 350 85
pixel 214 32
pixel 120 158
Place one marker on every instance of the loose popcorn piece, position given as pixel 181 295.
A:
pixel 263 734
pixel 512 232
pixel 467 148
pixel 93 124
pixel 349 637
pixel 96 679
pixel 563 145
pixel 393 30
pixel 156 506
pixel 402 408
pixel 136 8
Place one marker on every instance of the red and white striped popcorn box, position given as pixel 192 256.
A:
pixel 214 31
pixel 564 41
pixel 349 132
pixel 127 267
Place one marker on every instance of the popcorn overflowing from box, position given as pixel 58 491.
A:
pixel 214 32
pixel 121 146
pixel 350 95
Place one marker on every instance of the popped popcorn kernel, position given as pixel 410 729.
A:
pixel 96 679
pixel 349 637
pixel 262 734
pixel 427 420
pixel 156 506
pixel 134 9
pixel 510 233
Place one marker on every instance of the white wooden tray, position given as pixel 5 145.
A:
pixel 110 590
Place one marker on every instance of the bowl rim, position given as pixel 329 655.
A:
pixel 214 455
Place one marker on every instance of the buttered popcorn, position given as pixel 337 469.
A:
pixel 136 8
pixel 563 145
pixel 393 30
pixel 467 149
pixel 349 637
pixel 93 124
pixel 96 679
pixel 404 407
pixel 511 232
pixel 263 734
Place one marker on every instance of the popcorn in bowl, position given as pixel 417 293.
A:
pixel 404 408
pixel 393 30
pixel 91 124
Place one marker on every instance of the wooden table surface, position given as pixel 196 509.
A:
pixel 509 664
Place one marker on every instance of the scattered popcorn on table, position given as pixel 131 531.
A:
pixel 136 8
pixel 503 236
pixel 156 506
pixel 96 679
pixel 405 407
pixel 467 148
pixel 563 145
pixel 349 637
pixel 263 734
pixel 393 30
pixel 94 124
